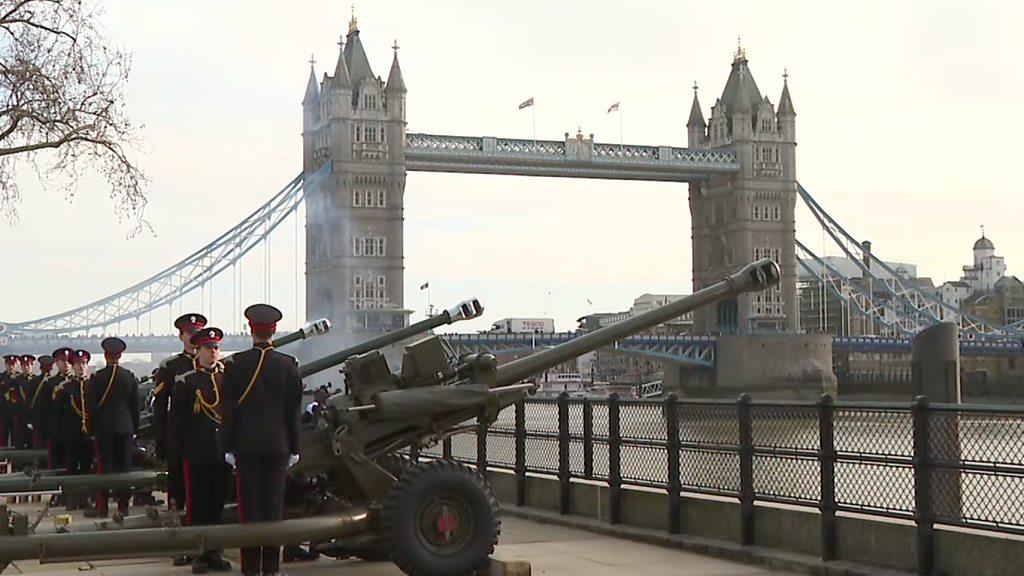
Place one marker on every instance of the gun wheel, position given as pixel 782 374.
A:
pixel 396 464
pixel 440 519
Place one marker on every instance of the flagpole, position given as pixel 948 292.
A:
pixel 620 126
pixel 533 113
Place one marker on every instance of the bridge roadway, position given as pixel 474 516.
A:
pixel 550 549
pixel 684 349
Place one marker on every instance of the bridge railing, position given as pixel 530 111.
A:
pixel 952 465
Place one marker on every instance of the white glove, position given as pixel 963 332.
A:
pixel 29 426
pixel 230 459
pixel 293 460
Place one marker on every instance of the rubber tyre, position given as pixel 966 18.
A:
pixel 468 511
pixel 396 464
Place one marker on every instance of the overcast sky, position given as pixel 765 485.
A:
pixel 908 122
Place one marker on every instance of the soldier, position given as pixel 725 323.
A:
pixel 262 399
pixel 194 422
pixel 187 325
pixel 50 408
pixel 36 399
pixel 112 406
pixel 74 422
pixel 6 410
pixel 17 396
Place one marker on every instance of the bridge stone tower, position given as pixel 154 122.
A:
pixel 354 242
pixel 748 215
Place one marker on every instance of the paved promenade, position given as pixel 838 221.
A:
pixel 550 549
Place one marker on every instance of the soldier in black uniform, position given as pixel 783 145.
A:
pixel 262 399
pixel 6 410
pixel 74 422
pixel 194 423
pixel 21 435
pixel 49 409
pixel 187 325
pixel 112 404
pixel 35 398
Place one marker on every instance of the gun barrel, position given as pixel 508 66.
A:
pixel 314 328
pixel 463 311
pixel 759 275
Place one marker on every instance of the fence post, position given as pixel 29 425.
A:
pixel 446 448
pixel 672 446
pixel 520 453
pixel 563 453
pixel 746 453
pixel 588 439
pixel 614 451
pixel 922 487
pixel 827 465
pixel 481 448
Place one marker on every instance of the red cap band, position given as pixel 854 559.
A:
pixel 272 327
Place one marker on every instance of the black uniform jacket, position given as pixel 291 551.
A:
pixel 194 421
pixel 32 394
pixel 261 403
pixel 113 402
pixel 20 393
pixel 163 384
pixel 68 397
pixel 6 383
pixel 47 412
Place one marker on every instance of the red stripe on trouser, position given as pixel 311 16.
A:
pixel 101 500
pixel 241 505
pixel 188 492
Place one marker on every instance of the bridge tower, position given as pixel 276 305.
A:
pixel 748 215
pixel 354 241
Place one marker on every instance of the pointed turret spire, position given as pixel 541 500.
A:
pixel 395 81
pixel 696 115
pixel 341 79
pixel 355 57
pixel 785 102
pixel 312 96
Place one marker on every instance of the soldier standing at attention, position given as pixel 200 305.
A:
pixel 112 406
pixel 36 401
pixel 21 435
pixel 51 410
pixel 262 399
pixel 194 423
pixel 184 361
pixel 6 411
pixel 74 422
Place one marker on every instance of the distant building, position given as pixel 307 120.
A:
pixel 975 291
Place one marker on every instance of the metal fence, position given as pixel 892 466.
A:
pixel 927 463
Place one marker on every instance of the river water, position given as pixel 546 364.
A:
pixel 873 471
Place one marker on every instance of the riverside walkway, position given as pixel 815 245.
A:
pixel 550 549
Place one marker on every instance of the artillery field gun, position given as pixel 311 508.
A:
pixel 436 518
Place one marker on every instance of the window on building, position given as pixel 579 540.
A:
pixel 357 198
pixel 382 246
pixel 370 199
pixel 370 101
pixel 358 246
pixel 776 213
pixel 371 246
pixel 382 199
pixel 757 211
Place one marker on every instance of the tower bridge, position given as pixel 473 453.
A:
pixel 739 167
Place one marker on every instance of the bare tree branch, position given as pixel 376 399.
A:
pixel 62 107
